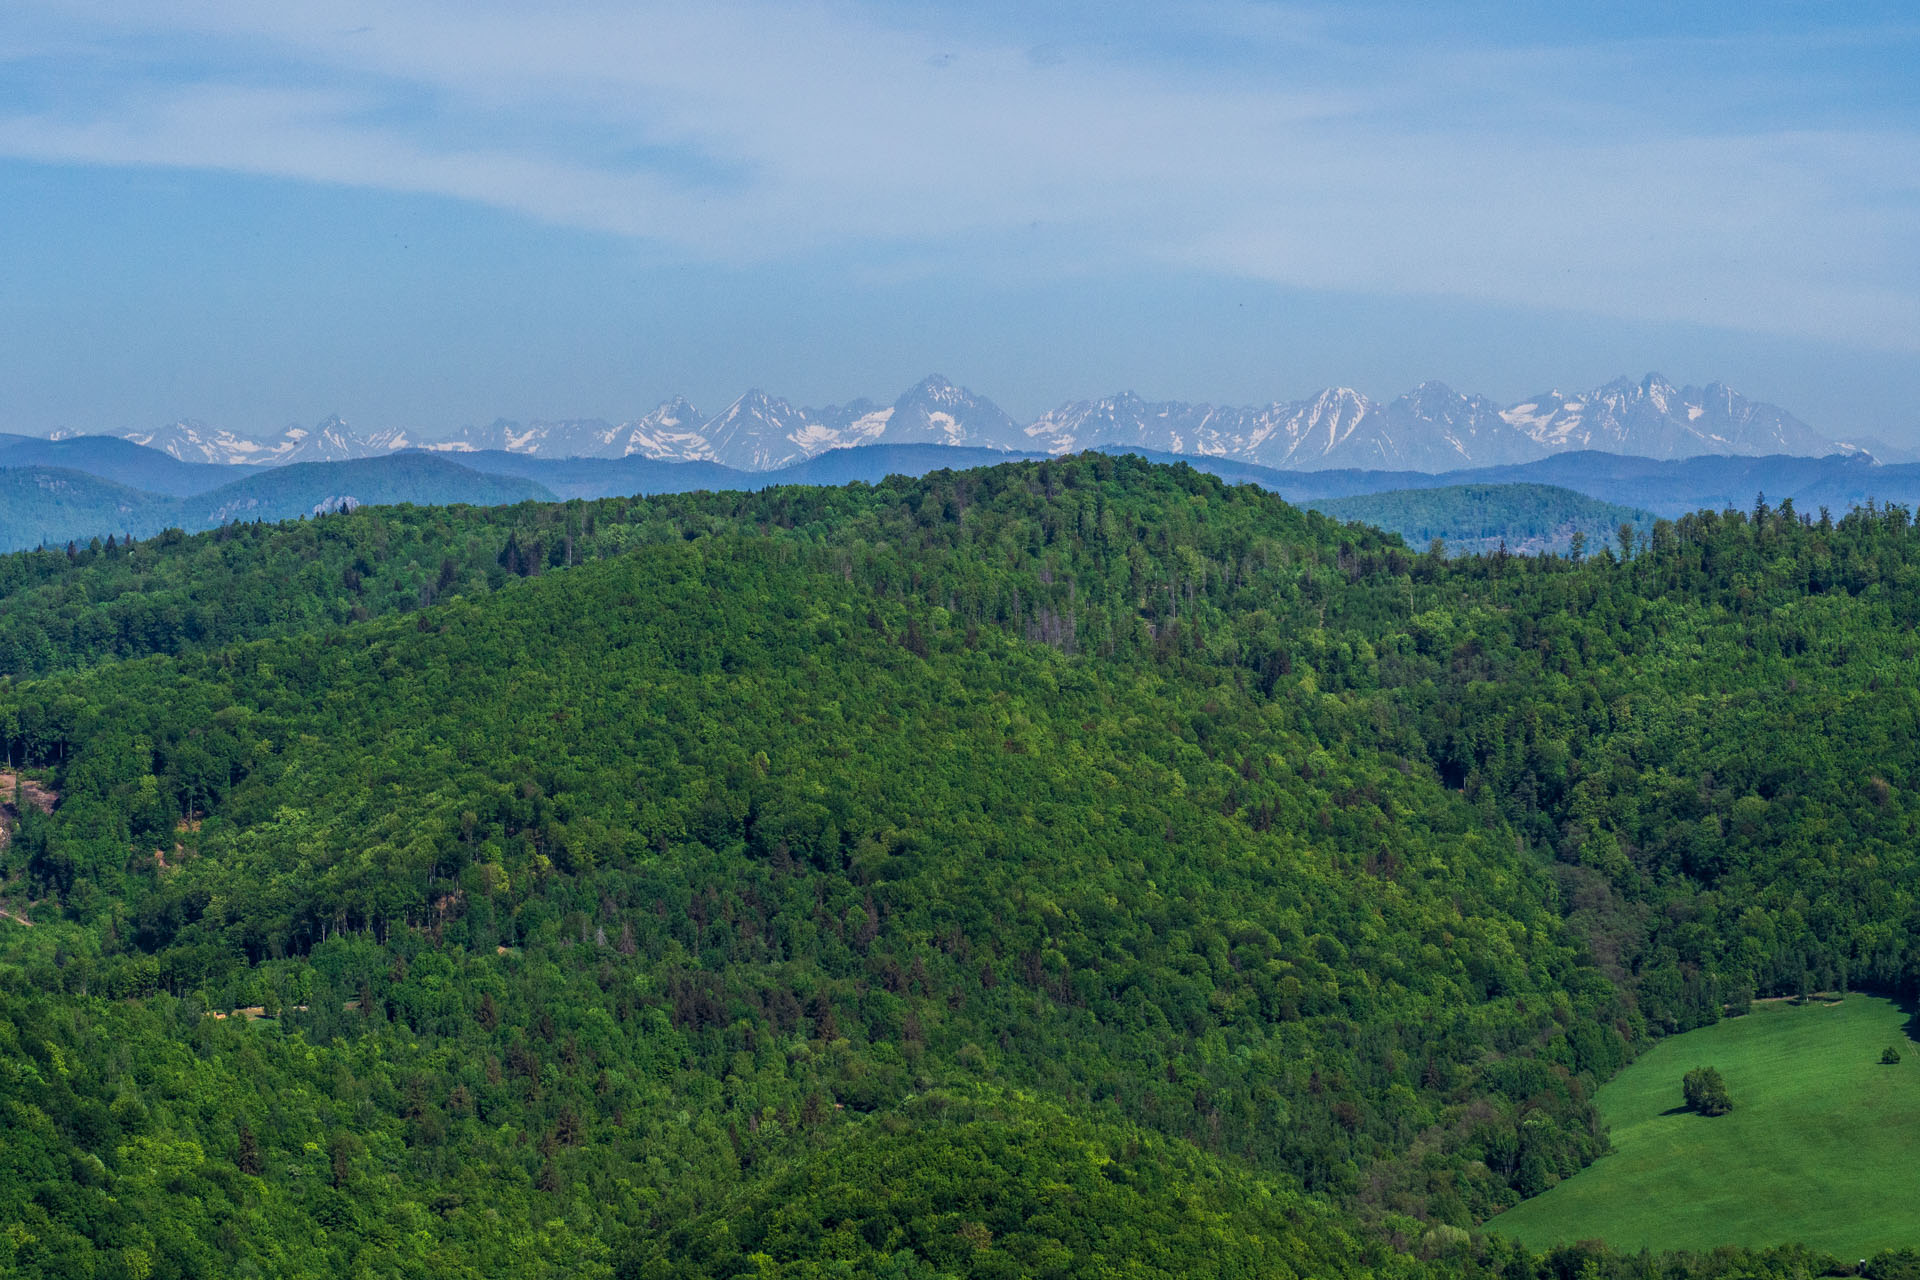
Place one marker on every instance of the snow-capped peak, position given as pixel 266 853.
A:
pixel 1430 428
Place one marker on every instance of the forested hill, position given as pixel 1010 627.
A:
pixel 1478 519
pixel 1066 868
pixel 52 506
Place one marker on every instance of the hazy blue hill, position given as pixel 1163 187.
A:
pixel 1666 488
pixel 280 493
pixel 874 463
pixel 54 506
pixel 121 461
pixel 210 495
pixel 1527 518
pixel 90 500
pixel 1296 486
pixel 605 477
pixel 635 477
pixel 1839 481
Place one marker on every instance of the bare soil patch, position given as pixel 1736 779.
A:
pixel 16 790
pixel 244 1012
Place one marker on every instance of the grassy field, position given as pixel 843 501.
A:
pixel 1822 1147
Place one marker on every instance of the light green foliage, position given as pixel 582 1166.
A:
pixel 989 1183
pixel 632 875
pixel 1818 1151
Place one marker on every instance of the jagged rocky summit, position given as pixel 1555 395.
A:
pixel 1431 428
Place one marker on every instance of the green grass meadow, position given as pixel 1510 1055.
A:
pixel 1822 1147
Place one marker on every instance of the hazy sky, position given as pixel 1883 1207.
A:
pixel 428 214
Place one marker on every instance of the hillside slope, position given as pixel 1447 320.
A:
pixel 45 506
pixel 309 488
pixel 121 461
pixel 1666 488
pixel 50 506
pixel 1525 519
pixel 1670 488
pixel 942 877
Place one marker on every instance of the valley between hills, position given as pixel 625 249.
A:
pixel 1071 866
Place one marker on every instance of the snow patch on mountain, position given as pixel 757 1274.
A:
pixel 1655 419
pixel 1431 428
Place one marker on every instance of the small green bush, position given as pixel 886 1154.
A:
pixel 1706 1092
pixel 1891 1057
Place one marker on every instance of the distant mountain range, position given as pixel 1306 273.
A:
pixel 1432 428
pixel 1649 446
pixel 92 486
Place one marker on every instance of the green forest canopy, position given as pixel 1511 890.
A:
pixel 942 877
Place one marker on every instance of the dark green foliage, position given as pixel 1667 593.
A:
pixel 1890 1057
pixel 1896 1264
pixel 1706 1092
pixel 644 885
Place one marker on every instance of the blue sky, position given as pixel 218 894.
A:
pixel 428 214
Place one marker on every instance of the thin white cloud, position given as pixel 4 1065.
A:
pixel 743 131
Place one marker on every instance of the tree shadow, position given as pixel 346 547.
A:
pixel 1682 1110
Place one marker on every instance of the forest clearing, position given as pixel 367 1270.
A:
pixel 1817 1148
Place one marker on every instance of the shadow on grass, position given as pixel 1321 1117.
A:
pixel 1907 1002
